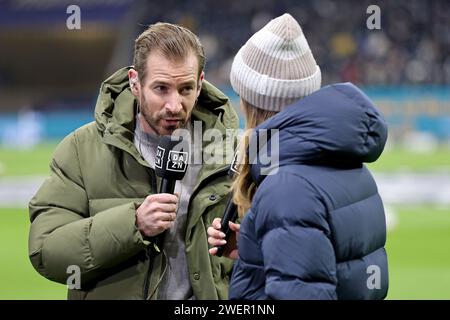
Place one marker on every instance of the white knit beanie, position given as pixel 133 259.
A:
pixel 275 67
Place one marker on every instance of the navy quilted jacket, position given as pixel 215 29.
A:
pixel 316 228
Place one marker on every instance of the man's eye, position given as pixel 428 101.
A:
pixel 161 88
pixel 187 90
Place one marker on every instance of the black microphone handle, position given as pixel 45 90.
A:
pixel 167 186
pixel 230 214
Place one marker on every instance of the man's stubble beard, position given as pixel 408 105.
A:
pixel 152 120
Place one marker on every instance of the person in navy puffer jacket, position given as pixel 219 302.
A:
pixel 313 222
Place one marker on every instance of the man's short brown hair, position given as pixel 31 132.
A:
pixel 173 41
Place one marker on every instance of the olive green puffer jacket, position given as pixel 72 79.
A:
pixel 84 213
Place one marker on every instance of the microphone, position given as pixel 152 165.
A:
pixel 231 212
pixel 171 162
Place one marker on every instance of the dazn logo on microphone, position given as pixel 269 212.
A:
pixel 177 161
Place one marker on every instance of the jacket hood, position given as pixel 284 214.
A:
pixel 337 125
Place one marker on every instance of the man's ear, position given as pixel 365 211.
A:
pixel 134 82
pixel 200 82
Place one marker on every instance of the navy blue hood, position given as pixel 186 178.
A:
pixel 337 125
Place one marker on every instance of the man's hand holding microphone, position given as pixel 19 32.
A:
pixel 158 211
pixel 156 214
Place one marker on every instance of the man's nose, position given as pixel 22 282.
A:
pixel 173 104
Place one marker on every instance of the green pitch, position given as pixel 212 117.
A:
pixel 26 162
pixel 417 249
pixel 401 160
pixel 18 279
pixel 419 263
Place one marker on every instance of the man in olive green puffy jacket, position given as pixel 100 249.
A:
pixel 95 220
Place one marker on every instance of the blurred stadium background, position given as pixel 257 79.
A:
pixel 50 75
